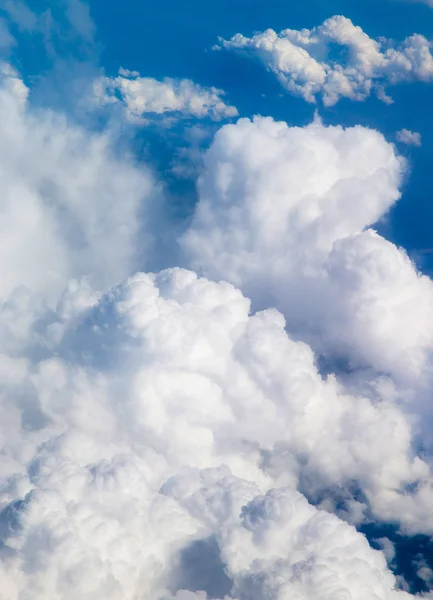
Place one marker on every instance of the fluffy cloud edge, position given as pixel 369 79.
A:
pixel 144 96
pixel 303 63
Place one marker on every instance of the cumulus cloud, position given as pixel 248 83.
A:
pixel 282 524
pixel 410 138
pixel 283 213
pixel 161 438
pixel 68 202
pixel 143 96
pixel 307 64
pixel 146 432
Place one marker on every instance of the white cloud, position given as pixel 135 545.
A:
pixel 143 96
pixel 307 64
pixel 284 548
pixel 388 548
pixel 411 138
pixel 68 202
pixel 282 214
pixel 149 423
pixel 153 436
pixel 13 85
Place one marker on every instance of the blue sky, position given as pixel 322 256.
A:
pixel 121 152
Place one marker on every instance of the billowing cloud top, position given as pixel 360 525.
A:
pixel 297 239
pixel 282 214
pixel 144 95
pixel 307 64
pixel 153 427
pixel 218 430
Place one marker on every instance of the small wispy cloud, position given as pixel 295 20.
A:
pixel 410 138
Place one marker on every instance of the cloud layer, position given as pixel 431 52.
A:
pixel 282 214
pixel 307 64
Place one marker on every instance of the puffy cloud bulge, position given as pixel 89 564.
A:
pixel 113 466
pixel 68 202
pixel 161 435
pixel 284 214
pixel 307 65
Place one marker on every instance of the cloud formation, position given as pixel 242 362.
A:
pixel 153 423
pixel 410 138
pixel 284 214
pixel 143 96
pixel 161 438
pixel 68 202
pixel 308 65
pixel 162 420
